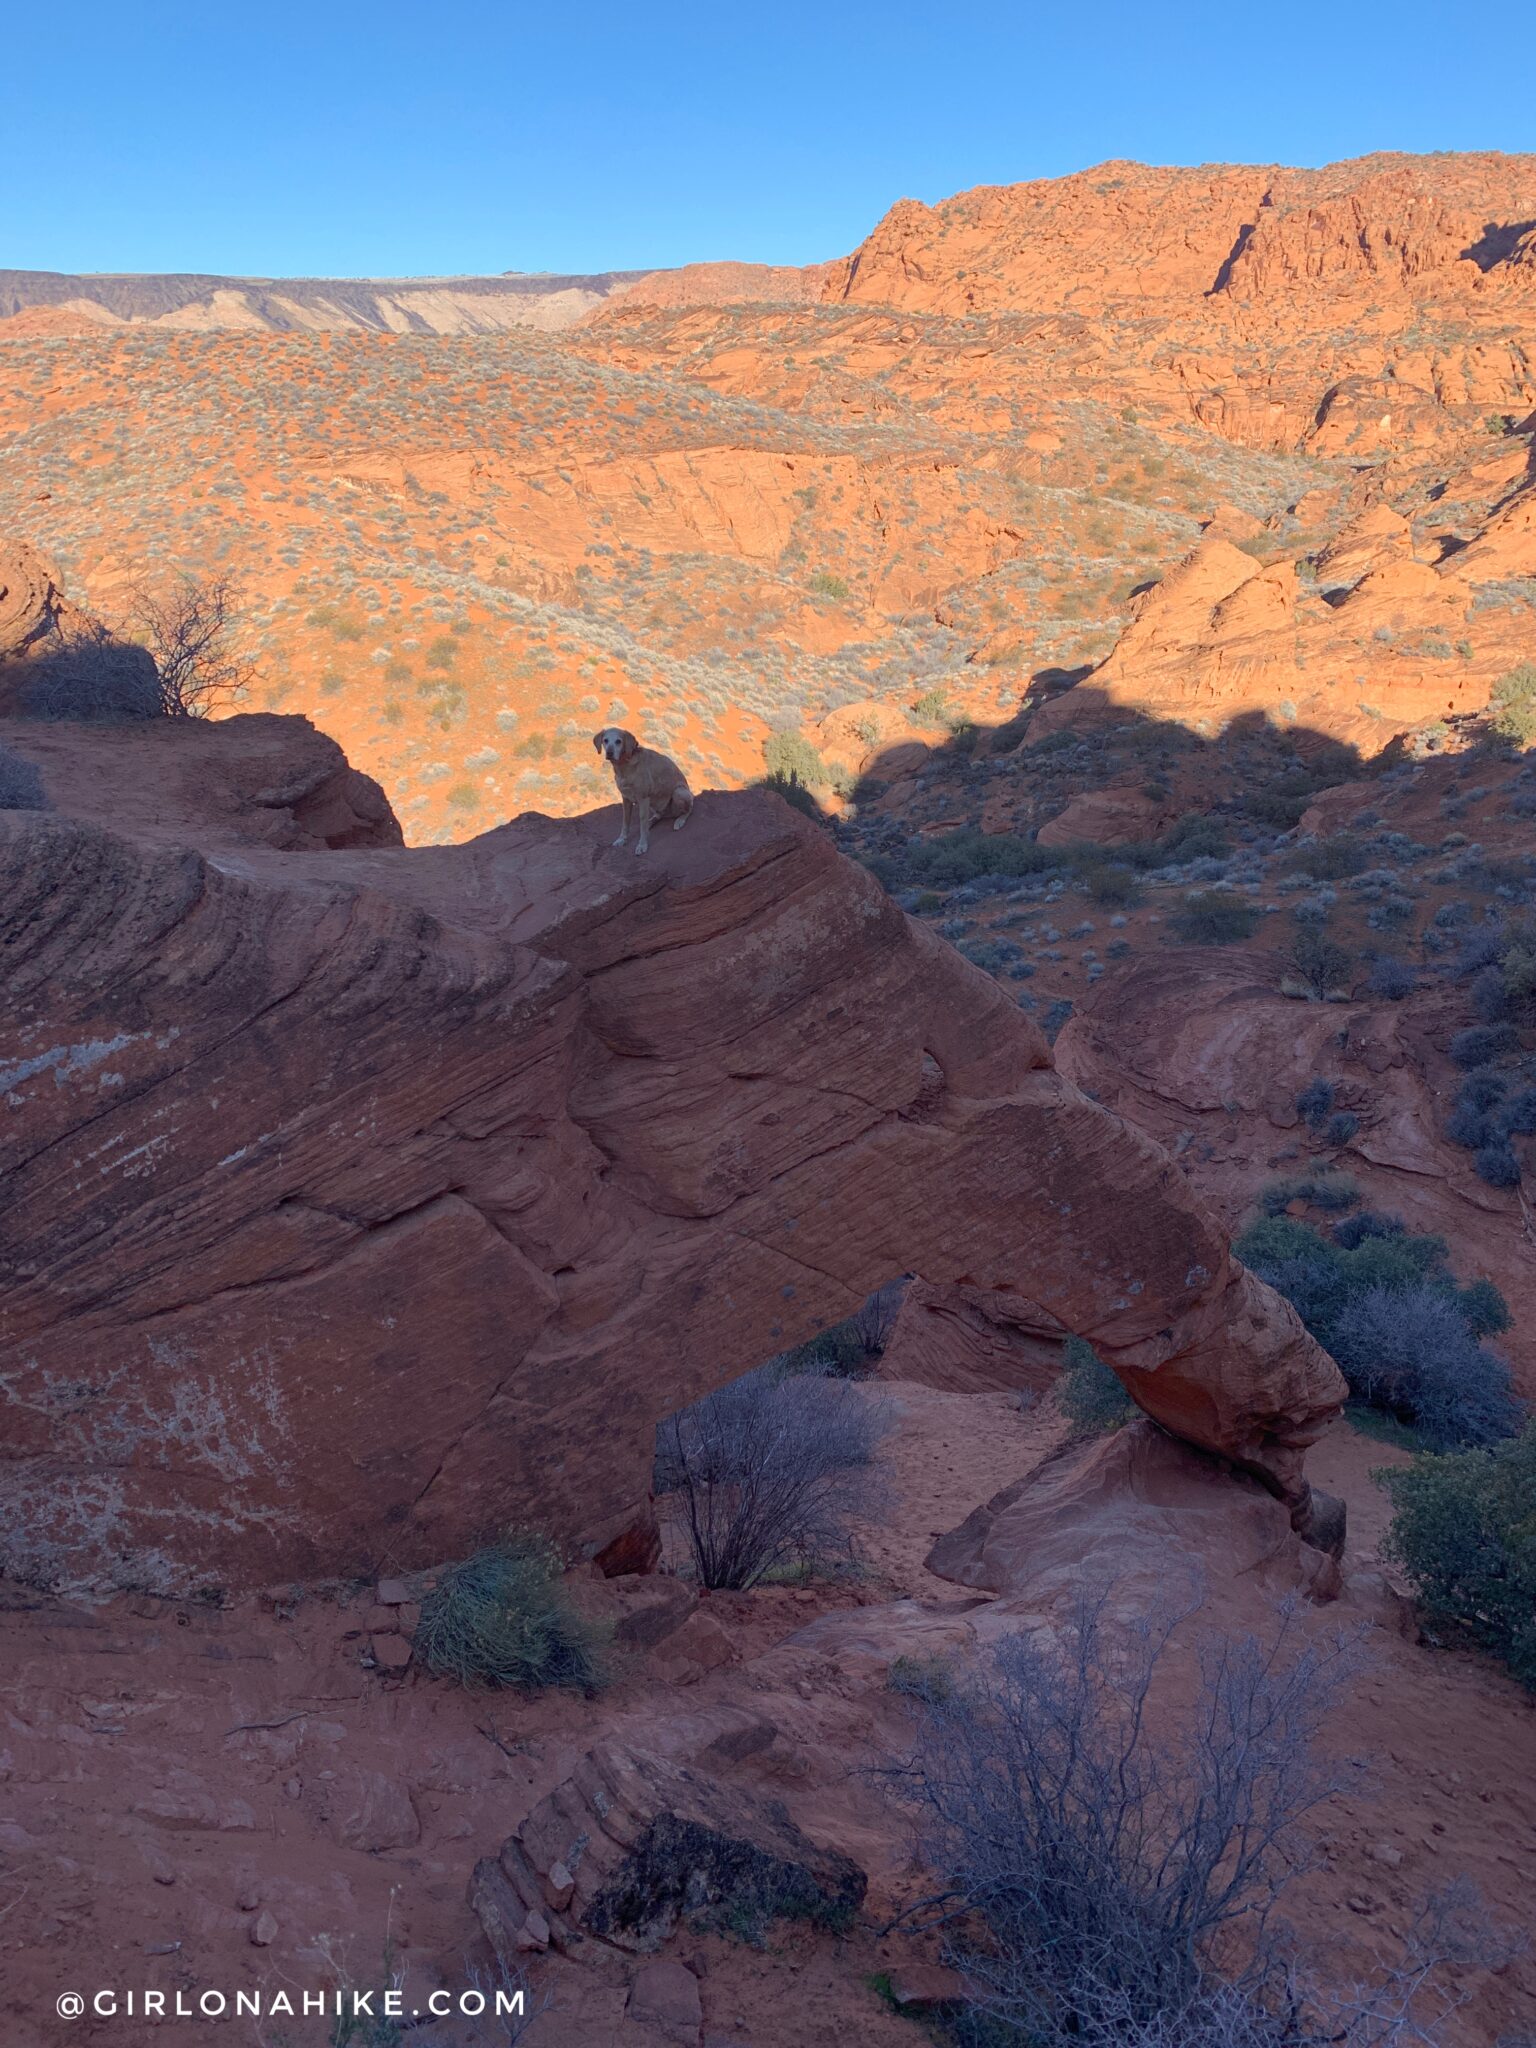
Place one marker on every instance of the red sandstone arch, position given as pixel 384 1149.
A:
pixel 363 1201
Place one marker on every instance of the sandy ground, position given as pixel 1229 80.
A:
pixel 192 1797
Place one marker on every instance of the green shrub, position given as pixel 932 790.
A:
pixel 1329 860
pixel 1464 1531
pixel 502 1617
pixel 1090 1395
pixel 1320 966
pixel 1196 837
pixel 930 707
pixel 962 855
pixel 790 757
pixel 1111 886
pixel 825 584
pixel 1215 917
pixel 1388 1308
pixel 1512 703
pixel 1319 1190
pixel 443 651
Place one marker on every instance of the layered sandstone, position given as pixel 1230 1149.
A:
pixel 32 605
pixel 365 1199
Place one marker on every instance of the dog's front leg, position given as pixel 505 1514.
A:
pixel 624 828
pixel 643 813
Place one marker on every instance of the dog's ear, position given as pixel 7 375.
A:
pixel 631 744
pixel 597 741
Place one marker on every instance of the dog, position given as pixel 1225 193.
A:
pixel 653 788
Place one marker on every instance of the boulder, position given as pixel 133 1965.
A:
pixel 1142 1513
pixel 32 608
pixel 372 1811
pixel 665 1995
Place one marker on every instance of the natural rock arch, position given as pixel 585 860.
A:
pixel 367 1200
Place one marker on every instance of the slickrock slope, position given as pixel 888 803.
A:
pixel 362 1200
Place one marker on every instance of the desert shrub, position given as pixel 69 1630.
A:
pixel 921 1678
pixel 93 677
pixel 1354 1230
pixel 1319 963
pixel 1392 980
pixel 503 1618
pixel 1111 886
pixel 1480 1043
pixel 1341 1127
pixel 929 709
pixel 965 854
pixel 1331 859
pixel 848 1349
pixel 1315 1101
pixel 1411 1352
pixel 187 629
pixel 791 757
pixel 770 1471
pixel 825 584
pixel 1196 837
pixel 1490 998
pixel 1089 1394
pixel 874 1322
pixel 1496 1163
pixel 1318 1190
pixel 1215 917
pixel 1464 1531
pixel 1096 1856
pixel 1388 1307
pixel 1512 705
pixel 21 784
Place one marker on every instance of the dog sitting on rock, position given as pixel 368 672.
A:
pixel 653 788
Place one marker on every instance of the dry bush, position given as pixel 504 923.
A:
pixel 874 1322
pixel 771 1471
pixel 187 630
pixel 1110 1869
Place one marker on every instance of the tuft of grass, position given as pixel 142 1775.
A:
pixel 503 1618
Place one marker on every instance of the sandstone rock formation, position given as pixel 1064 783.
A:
pixel 31 603
pixel 363 1200
pixel 1139 1512
pixel 632 1845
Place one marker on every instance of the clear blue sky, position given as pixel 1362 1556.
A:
pixel 268 138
